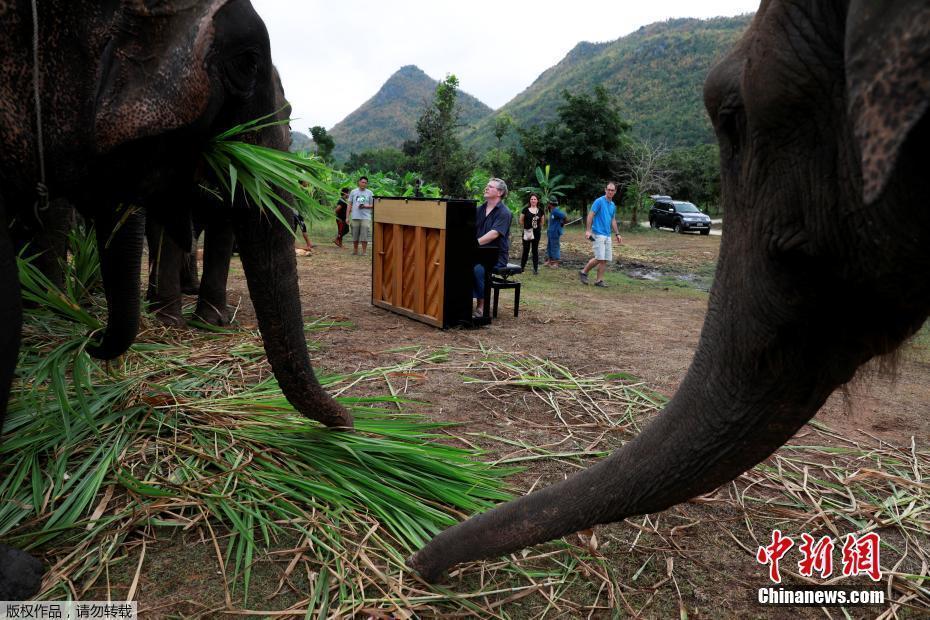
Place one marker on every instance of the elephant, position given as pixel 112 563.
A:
pixel 173 266
pixel 820 112
pixel 43 238
pixel 173 269
pixel 114 115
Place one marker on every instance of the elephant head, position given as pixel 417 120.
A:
pixel 820 113
pixel 217 60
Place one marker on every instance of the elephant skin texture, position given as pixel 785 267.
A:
pixel 20 574
pixel 820 114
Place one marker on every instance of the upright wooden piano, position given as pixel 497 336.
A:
pixel 424 249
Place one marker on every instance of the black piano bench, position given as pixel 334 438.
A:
pixel 500 278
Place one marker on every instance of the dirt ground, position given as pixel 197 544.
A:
pixel 646 324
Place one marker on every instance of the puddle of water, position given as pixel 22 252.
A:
pixel 644 274
pixel 653 275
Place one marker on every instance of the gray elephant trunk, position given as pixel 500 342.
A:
pixel 266 248
pixel 708 434
pixel 120 247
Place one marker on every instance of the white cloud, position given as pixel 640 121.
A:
pixel 333 56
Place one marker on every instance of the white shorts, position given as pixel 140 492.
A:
pixel 603 248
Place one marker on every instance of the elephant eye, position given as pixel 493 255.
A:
pixel 241 73
pixel 730 127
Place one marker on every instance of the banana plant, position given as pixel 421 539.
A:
pixel 549 186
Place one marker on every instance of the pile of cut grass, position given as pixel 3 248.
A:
pixel 190 430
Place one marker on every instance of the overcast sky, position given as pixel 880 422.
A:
pixel 334 55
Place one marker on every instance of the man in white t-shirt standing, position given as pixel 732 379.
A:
pixel 361 200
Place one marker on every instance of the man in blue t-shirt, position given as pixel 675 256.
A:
pixel 602 219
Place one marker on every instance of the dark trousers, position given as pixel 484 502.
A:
pixel 342 227
pixel 477 288
pixel 526 251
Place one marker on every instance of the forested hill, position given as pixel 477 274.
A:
pixel 390 117
pixel 657 74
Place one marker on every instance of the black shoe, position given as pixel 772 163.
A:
pixel 601 284
pixel 535 271
pixel 583 277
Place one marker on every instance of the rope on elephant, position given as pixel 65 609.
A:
pixel 41 187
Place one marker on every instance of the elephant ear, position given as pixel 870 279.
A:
pixel 887 82
pixel 153 71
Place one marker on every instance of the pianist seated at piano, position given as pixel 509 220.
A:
pixel 492 227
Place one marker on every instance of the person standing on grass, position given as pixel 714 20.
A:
pixel 492 227
pixel 557 219
pixel 531 219
pixel 298 220
pixel 342 213
pixel 362 201
pixel 602 219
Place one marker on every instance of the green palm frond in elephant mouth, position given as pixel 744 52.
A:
pixel 271 179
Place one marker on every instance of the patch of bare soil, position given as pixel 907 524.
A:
pixel 649 331
pixel 683 560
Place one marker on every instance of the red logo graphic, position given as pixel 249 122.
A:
pixel 817 557
pixel 860 555
pixel 773 553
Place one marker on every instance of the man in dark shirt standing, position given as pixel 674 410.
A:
pixel 492 226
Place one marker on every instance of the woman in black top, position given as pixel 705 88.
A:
pixel 531 219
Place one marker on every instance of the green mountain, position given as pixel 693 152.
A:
pixel 300 142
pixel 656 73
pixel 390 117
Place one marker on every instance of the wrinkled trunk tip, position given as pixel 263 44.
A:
pixel 430 573
pixel 336 417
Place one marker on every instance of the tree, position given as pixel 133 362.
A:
pixel 380 160
pixel 500 160
pixel 527 154
pixel 503 124
pixel 324 142
pixel 549 186
pixel 643 172
pixel 585 142
pixel 440 155
pixel 695 174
